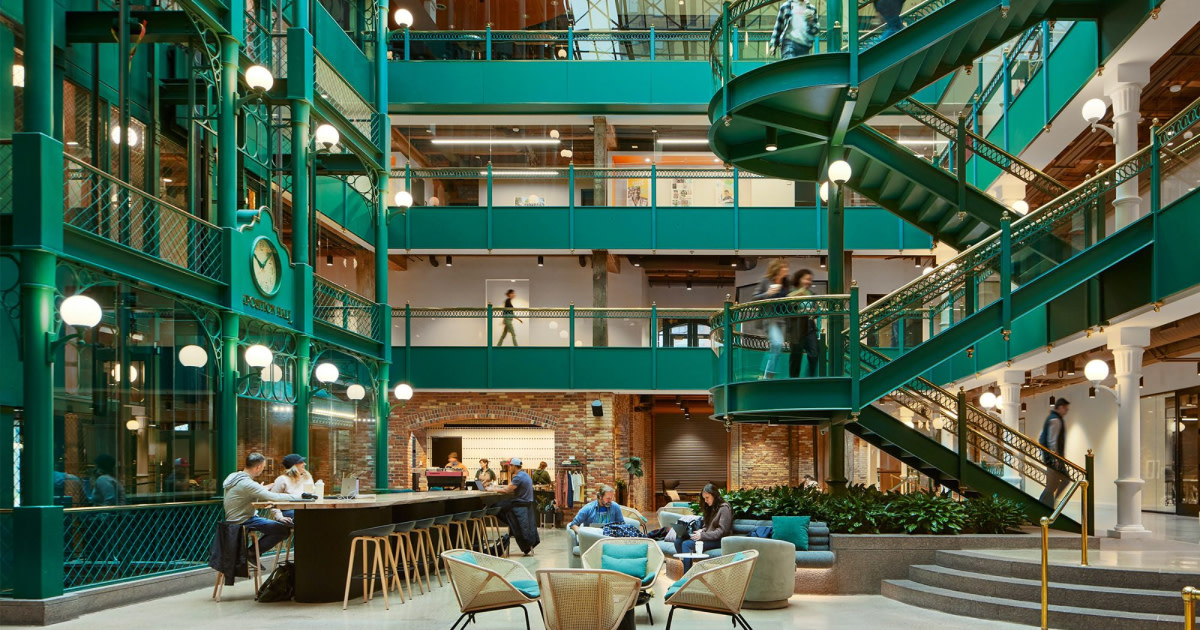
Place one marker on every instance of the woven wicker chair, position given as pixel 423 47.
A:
pixel 482 583
pixel 654 561
pixel 585 599
pixel 716 586
pixel 632 514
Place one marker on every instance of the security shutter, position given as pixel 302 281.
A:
pixel 693 451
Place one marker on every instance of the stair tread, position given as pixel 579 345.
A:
pixel 1016 603
pixel 1111 590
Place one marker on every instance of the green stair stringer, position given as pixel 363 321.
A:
pixel 942 464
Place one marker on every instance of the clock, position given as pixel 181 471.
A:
pixel 264 266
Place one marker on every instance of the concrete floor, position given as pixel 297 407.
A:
pixel 438 610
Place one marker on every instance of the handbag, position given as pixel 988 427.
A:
pixel 280 586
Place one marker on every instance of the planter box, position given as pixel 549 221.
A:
pixel 863 561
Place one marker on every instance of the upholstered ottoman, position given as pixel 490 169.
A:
pixel 774 577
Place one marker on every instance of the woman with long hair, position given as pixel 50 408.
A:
pixel 718 523
pixel 295 480
pixel 773 285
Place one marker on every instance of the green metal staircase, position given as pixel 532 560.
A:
pixel 814 107
pixel 811 110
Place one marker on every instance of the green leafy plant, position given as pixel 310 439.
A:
pixel 994 515
pixel 928 513
pixel 633 466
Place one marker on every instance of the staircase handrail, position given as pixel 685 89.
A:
pixel 1011 440
pixel 775 308
pixel 1045 523
pixel 984 256
pixel 997 79
pixel 1007 162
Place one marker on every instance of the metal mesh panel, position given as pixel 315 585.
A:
pixel 6 553
pixel 345 309
pixel 343 98
pixel 108 545
pixel 79 131
pixel 101 205
pixel 265 47
pixel 6 177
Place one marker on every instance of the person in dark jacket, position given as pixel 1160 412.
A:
pixel 773 285
pixel 1053 437
pixel 803 330
pixel 718 523
pixel 890 11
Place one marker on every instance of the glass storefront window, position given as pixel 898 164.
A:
pixel 1159 436
pixel 132 423
pixel 342 441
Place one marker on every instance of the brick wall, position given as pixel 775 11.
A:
pixel 770 455
pixel 601 441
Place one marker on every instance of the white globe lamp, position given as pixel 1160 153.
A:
pixel 839 172
pixel 404 391
pixel 988 400
pixel 327 136
pixel 271 374
pixel 326 372
pixel 1094 110
pixel 403 17
pixel 403 199
pixel 824 192
pixel 1020 207
pixel 80 310
pixel 193 356
pixel 259 78
pixel 259 356
pixel 1096 370
pixel 356 392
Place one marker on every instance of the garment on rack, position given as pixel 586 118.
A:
pixel 577 485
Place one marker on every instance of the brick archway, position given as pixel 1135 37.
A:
pixel 460 413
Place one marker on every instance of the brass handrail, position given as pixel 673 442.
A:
pixel 1190 593
pixel 1083 536
pixel 139 506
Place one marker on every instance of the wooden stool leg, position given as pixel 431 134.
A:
pixel 381 556
pixel 367 594
pixel 434 556
pixel 416 571
pixel 257 566
pixel 420 559
pixel 220 579
pixel 396 572
pixel 349 572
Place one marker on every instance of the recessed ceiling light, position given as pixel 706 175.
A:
pixel 446 141
pixel 1175 89
pixel 635 146
pixel 683 140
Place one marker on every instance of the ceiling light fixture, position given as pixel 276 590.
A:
pixel 449 261
pixel 541 261
pixel 772 142
pixel 465 141
pixel 695 141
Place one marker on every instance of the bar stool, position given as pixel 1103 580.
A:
pixel 463 538
pixel 403 555
pixel 378 536
pixel 479 530
pixel 441 527
pixel 492 519
pixel 247 538
pixel 423 529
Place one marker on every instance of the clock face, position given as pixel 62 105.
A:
pixel 264 267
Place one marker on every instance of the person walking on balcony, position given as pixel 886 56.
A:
pixel 773 285
pixel 795 29
pixel 1053 438
pixel 889 11
pixel 803 338
pixel 508 319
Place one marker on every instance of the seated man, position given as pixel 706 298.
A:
pixel 517 511
pixel 241 491
pixel 601 512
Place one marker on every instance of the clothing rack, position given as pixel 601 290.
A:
pixel 562 482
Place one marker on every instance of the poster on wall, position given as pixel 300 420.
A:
pixel 681 192
pixel 529 200
pixel 727 192
pixel 637 192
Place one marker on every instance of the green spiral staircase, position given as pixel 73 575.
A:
pixel 812 110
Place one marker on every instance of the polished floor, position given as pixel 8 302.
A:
pixel 438 610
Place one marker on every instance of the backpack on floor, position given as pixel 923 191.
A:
pixel 280 586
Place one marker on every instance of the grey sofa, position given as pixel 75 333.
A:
pixel 774 577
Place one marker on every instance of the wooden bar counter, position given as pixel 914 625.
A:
pixel 322 532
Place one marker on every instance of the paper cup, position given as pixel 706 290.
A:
pixel 699 546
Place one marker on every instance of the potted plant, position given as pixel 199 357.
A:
pixel 633 466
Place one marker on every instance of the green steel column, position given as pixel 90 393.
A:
pixel 39 67
pixel 37 328
pixel 837 454
pixel 301 218
pixel 837 273
pixel 227 407
pixel 300 14
pixel 963 449
pixel 381 431
pixel 227 151
pixel 302 385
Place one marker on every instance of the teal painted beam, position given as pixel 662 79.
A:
pixel 549 87
pixel 96 27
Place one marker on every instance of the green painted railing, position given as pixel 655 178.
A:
pixel 6 176
pixel 346 309
pixel 105 545
pixel 781 337
pixel 103 206
pixel 266 46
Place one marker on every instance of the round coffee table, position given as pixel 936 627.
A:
pixel 692 556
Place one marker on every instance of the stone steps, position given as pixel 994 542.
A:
pixel 979 585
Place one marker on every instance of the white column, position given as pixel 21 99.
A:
pixel 1127 345
pixel 1124 88
pixel 1010 411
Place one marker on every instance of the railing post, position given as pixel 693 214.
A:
pixel 1155 206
pixel 855 349
pixel 725 71
pixel 653 207
pixel 737 213
pixel 407 43
pixel 1006 68
pixel 408 211
pixel 652 42
pixel 1045 76
pixel 960 162
pixel 653 345
pixel 570 42
pixel 489 205
pixel 963 432
pixel 733 54
pixel 571 346
pixel 408 342
pixel 1085 525
pixel 487 42
pixel 852 24
pixel 490 343
pixel 571 205
pixel 1089 466
pixel 1006 279
pixel 1045 525
pixel 1189 608
pixel 727 333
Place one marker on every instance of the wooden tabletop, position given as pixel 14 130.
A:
pixel 373 501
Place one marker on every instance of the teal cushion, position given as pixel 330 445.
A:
pixel 649 579
pixel 739 556
pixel 635 567
pixel 465 557
pixel 625 551
pixel 793 529
pixel 674 587
pixel 528 588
